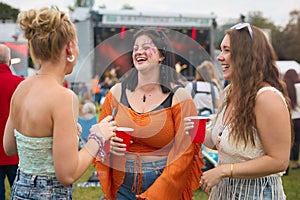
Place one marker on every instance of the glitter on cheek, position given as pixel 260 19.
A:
pixel 154 50
pixel 148 52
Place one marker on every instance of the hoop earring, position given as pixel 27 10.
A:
pixel 71 59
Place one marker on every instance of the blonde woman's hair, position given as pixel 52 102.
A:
pixel 205 71
pixel 89 107
pixel 47 30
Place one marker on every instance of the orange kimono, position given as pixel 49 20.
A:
pixel 159 132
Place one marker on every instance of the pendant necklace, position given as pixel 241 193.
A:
pixel 41 74
pixel 144 98
pixel 49 75
pixel 149 90
pixel 222 127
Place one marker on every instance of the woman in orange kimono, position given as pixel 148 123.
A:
pixel 162 162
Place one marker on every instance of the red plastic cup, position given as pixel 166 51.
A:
pixel 124 133
pixel 198 132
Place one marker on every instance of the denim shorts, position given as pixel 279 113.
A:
pixel 37 187
pixel 150 172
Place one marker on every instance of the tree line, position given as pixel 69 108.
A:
pixel 285 40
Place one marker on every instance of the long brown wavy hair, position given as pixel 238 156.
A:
pixel 253 63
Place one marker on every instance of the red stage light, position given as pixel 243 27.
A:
pixel 122 34
pixel 194 31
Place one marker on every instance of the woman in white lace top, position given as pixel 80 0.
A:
pixel 252 129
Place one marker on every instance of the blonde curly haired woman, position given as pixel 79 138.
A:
pixel 42 124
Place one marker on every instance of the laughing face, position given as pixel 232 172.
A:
pixel 145 54
pixel 225 57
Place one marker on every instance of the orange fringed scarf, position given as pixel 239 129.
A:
pixel 162 134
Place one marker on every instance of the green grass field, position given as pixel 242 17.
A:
pixel 291 183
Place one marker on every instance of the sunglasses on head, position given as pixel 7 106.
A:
pixel 240 26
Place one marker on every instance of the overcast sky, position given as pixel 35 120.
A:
pixel 277 11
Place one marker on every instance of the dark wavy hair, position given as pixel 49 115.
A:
pixel 168 73
pixel 291 78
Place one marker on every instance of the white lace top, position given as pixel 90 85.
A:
pixel 35 154
pixel 230 153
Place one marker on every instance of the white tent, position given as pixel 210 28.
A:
pixel 285 65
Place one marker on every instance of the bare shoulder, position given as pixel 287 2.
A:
pixel 116 90
pixel 269 100
pixel 64 97
pixel 181 94
pixel 64 92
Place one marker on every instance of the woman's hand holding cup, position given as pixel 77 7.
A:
pixel 105 128
pixel 120 143
pixel 196 127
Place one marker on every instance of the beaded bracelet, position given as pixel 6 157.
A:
pixel 100 140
